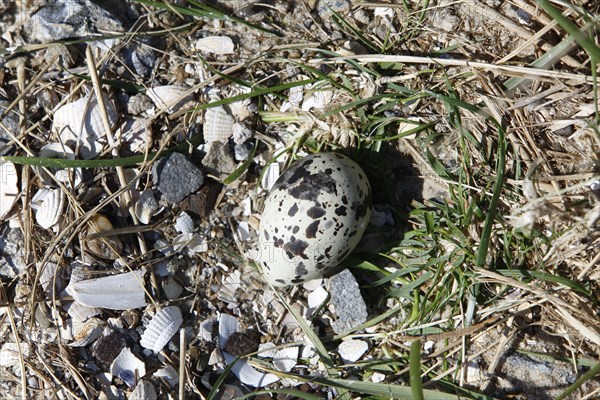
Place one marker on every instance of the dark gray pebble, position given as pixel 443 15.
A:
pixel 176 177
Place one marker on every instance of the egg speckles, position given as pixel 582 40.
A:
pixel 313 218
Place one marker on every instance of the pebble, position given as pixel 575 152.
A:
pixel 139 104
pixel 176 177
pixel 242 343
pixel 242 151
pixel 349 306
pixel 218 160
pixel 76 18
pixel 202 202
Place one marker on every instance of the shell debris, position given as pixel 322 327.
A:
pixel 161 328
pixel 352 350
pixel 51 208
pixel 10 190
pixel 169 97
pixel 218 125
pixel 127 366
pixel 81 121
pixel 215 44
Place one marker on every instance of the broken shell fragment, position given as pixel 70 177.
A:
pixel 127 367
pixel 146 206
pixel 50 210
pixel 184 223
pixel 169 97
pixel 215 45
pixel 144 390
pixel 218 125
pixel 285 359
pixel 352 350
pixel 116 292
pixel 161 328
pixel 109 247
pixel 81 122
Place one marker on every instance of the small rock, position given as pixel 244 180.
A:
pixel 348 304
pixel 176 177
pixel 326 8
pixel 108 346
pixel 218 160
pixel 202 202
pixel 242 343
pixel 171 288
pixel 241 133
pixel 138 104
pixel 242 151
pixel 77 18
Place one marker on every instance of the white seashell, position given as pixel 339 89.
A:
pixel 184 223
pixel 270 176
pixel 206 328
pixel 190 241
pixel 285 359
pixel 243 231
pixel 9 353
pixel 230 285
pixel 127 367
pixel 216 357
pixel 146 206
pixel 134 131
pixel 169 97
pixel 144 390
pixel 81 121
pixel 58 150
pixel 116 292
pixel 318 99
pixel 352 350
pixel 86 332
pixel 169 374
pixel 10 189
pixel 295 96
pixel 218 125
pixel 80 312
pixel 266 350
pixel 51 208
pixel 50 278
pixel 215 45
pixel 161 328
pixel 247 374
pixel 171 288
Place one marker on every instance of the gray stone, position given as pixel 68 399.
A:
pixel 11 253
pixel 218 160
pixel 77 18
pixel 349 306
pixel 176 177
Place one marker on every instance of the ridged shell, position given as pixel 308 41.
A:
pixel 83 119
pixel 218 125
pixel 51 208
pixel 144 390
pixel 10 190
pixel 127 366
pixel 161 328
pixel 215 45
pixel 169 97
pixel 57 150
pixel 80 312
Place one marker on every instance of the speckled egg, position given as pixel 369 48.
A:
pixel 313 218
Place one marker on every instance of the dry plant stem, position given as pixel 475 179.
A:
pixel 530 73
pixel 15 333
pixel 100 98
pixel 182 348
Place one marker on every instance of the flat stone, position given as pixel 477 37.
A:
pixel 218 160
pixel 349 307
pixel 77 18
pixel 176 177
pixel 202 202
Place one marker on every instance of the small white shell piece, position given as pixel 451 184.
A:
pixel 116 292
pixel 146 206
pixel 169 374
pixel 161 328
pixel 10 190
pixel 184 223
pixel 86 332
pixel 127 366
pixel 352 350
pixel 215 45
pixel 169 97
pixel 218 125
pixel 81 121
pixel 57 150
pixel 285 359
pixel 50 210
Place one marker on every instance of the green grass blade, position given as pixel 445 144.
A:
pixel 242 168
pixel 595 370
pixel 103 163
pixel 415 370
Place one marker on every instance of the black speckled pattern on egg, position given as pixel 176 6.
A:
pixel 313 218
